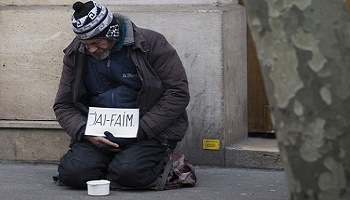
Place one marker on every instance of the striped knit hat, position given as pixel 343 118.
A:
pixel 92 20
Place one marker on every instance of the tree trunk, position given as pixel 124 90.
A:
pixel 304 51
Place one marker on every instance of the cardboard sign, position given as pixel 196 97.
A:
pixel 121 122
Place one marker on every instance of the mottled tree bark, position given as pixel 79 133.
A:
pixel 304 51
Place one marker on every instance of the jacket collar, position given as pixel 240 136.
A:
pixel 140 41
pixel 129 35
pixel 73 46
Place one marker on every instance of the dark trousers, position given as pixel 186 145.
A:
pixel 137 165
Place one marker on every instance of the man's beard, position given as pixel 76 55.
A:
pixel 102 54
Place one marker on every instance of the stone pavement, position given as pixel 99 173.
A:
pixel 26 181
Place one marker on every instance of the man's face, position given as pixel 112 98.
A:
pixel 99 48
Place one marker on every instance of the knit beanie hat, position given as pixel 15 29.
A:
pixel 92 20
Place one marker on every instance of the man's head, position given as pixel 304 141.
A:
pixel 96 27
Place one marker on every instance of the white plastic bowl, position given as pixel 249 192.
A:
pixel 98 187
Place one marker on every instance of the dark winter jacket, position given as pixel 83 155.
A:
pixel 162 99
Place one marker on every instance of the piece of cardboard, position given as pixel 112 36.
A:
pixel 121 122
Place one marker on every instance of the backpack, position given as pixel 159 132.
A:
pixel 178 173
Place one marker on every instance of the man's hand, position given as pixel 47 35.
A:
pixel 122 142
pixel 102 143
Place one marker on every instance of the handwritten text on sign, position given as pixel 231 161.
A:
pixel 119 121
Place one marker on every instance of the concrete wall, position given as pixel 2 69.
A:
pixel 210 37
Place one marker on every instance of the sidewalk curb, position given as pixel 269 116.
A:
pixel 254 153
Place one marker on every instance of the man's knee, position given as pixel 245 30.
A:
pixel 73 175
pixel 76 173
pixel 83 162
pixel 131 175
pixel 139 165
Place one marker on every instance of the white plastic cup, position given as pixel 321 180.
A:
pixel 98 187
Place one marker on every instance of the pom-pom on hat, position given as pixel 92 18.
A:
pixel 92 20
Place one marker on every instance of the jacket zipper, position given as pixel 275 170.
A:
pixel 108 62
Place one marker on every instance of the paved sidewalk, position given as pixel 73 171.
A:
pixel 22 181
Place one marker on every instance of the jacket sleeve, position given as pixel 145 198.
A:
pixel 175 98
pixel 69 116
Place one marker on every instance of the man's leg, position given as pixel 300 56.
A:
pixel 138 165
pixel 83 162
